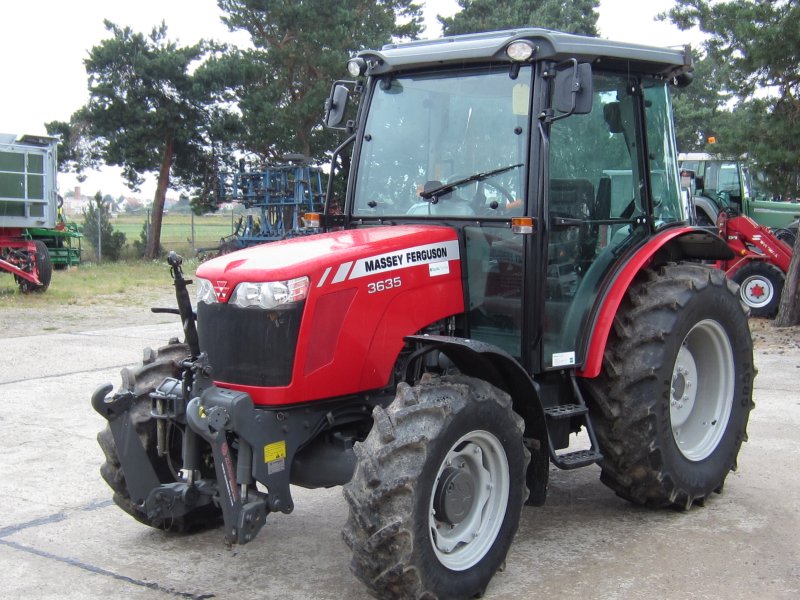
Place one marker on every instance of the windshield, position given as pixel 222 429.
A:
pixel 429 132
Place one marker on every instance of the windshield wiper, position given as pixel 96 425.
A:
pixel 449 187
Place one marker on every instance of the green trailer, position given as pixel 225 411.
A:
pixel 29 202
pixel 63 243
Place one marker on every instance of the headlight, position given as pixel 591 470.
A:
pixel 520 50
pixel 271 294
pixel 205 291
pixel 356 67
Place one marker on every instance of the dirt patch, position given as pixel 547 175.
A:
pixel 774 340
pixel 103 312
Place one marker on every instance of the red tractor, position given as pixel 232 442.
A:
pixel 760 263
pixel 512 264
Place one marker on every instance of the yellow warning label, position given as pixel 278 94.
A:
pixel 275 451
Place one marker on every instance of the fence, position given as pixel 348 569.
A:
pixel 184 233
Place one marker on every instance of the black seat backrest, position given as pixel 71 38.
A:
pixel 571 198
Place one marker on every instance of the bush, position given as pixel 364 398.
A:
pixel 97 225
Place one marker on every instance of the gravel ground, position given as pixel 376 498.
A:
pixel 62 538
pixel 107 311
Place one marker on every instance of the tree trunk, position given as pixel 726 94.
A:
pixel 789 309
pixel 154 239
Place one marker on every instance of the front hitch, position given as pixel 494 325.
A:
pixel 244 511
pixel 140 476
pixel 159 500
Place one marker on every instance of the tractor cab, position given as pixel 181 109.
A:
pixel 549 155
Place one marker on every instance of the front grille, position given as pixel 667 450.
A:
pixel 249 346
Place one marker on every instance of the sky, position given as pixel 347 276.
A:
pixel 44 43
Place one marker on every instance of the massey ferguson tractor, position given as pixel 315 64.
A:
pixel 512 264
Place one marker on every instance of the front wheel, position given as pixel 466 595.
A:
pixel 42 267
pixel 760 287
pixel 141 382
pixel 437 491
pixel 670 408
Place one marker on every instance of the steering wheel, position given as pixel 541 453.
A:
pixel 479 199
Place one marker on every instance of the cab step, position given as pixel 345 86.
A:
pixel 566 411
pixel 576 409
pixel 576 460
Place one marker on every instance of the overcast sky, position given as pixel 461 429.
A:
pixel 44 42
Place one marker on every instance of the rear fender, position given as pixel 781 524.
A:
pixel 682 243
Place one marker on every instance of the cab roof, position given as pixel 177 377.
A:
pixel 491 47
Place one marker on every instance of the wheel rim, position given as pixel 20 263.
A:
pixel 701 395
pixel 469 499
pixel 757 291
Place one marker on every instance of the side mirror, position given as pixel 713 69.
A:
pixel 573 90
pixel 336 106
pixel 688 206
pixel 699 183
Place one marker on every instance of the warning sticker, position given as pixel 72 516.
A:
pixel 275 451
pixel 276 466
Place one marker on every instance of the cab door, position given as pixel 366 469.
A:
pixel 593 210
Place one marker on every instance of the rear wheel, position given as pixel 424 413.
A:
pixel 760 287
pixel 437 491
pixel 142 381
pixel 671 406
pixel 787 236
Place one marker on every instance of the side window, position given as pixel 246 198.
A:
pixel 664 172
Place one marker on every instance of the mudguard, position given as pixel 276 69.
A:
pixel 680 243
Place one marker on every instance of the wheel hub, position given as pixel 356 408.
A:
pixel 757 291
pixel 700 407
pixel 468 500
pixel 455 495
pixel 684 387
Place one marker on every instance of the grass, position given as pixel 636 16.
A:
pixel 118 284
pixel 128 282
pixel 176 229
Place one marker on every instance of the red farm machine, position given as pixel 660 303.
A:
pixel 759 232
pixel 512 264
pixel 760 263
pixel 28 199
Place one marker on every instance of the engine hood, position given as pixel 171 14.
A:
pixel 335 256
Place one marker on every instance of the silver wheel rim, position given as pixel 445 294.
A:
pixel 757 291
pixel 701 394
pixel 478 458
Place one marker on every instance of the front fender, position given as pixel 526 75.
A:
pixel 494 365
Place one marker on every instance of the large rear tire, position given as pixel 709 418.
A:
pixel 671 405
pixel 436 496
pixel 142 381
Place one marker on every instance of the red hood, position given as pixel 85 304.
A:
pixel 322 257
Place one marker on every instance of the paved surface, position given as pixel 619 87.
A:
pixel 60 536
